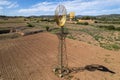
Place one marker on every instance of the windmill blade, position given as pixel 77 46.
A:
pixel 60 15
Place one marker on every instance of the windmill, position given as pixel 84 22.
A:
pixel 72 15
pixel 60 17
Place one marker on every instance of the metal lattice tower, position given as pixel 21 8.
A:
pixel 60 16
pixel 62 54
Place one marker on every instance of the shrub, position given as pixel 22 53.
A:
pixel 110 27
pixel 47 28
pixel 30 25
pixel 37 21
pixel 85 23
pixel 118 29
pixel 25 19
pixel 95 22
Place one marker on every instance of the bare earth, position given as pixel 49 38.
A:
pixel 33 58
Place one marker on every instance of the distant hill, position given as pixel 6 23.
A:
pixel 110 15
pixel 101 17
pixel 113 17
pixel 79 16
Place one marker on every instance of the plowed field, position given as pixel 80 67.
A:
pixel 33 57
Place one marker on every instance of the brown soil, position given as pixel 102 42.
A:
pixel 33 57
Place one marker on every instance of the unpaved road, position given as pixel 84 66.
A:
pixel 33 57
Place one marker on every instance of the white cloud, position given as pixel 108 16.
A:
pixel 4 2
pixel 8 4
pixel 40 7
pixel 96 6
pixel 7 7
pixel 13 5
pixel 82 7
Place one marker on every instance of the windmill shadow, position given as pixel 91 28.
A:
pixel 92 67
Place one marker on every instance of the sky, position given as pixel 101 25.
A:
pixel 47 7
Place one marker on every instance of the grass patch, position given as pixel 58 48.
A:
pixel 92 32
pixel 9 36
pixel 71 37
pixel 110 46
pixel 43 26
pixel 54 31
pixel 4 30
pixel 108 27
pixel 95 33
pixel 97 37
pixel 83 23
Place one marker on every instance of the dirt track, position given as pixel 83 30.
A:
pixel 33 57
